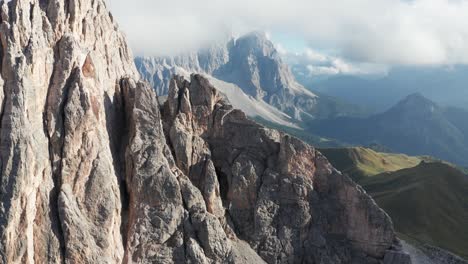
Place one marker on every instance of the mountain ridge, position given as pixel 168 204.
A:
pixel 252 63
pixel 414 126
pixel 94 170
pixel 411 189
pixel 427 183
pixel 444 85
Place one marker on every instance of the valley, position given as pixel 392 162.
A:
pixel 425 198
pixel 210 146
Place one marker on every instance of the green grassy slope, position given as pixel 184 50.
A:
pixel 428 203
pixel 361 162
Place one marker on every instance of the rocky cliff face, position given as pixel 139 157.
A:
pixel 93 171
pixel 255 65
pixel 252 63
pixel 273 191
pixel 62 62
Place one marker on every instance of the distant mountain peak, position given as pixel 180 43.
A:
pixel 256 34
pixel 258 42
pixel 250 62
pixel 416 103
pixel 417 98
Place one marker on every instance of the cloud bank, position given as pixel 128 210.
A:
pixel 313 63
pixel 415 32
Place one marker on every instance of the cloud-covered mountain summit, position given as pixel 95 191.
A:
pixel 247 68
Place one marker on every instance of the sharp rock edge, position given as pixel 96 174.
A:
pixel 94 170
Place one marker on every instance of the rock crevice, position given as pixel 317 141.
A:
pixel 279 191
pixel 94 170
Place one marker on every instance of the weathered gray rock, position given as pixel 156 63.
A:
pixel 61 61
pixel 94 170
pixel 281 195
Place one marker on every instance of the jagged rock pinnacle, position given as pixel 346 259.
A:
pixel 93 171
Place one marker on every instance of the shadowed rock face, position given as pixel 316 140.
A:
pixel 271 190
pixel 93 171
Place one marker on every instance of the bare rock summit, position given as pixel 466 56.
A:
pixel 94 170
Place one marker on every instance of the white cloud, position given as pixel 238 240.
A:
pixel 281 50
pixel 322 70
pixel 314 63
pixel 371 31
pixel 318 63
pixel 314 56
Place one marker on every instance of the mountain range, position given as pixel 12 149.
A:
pixel 445 85
pixel 252 74
pixel 93 169
pixel 96 167
pixel 414 126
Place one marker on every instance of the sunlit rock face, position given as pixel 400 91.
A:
pixel 62 62
pixel 94 170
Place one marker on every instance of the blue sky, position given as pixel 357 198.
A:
pixel 290 42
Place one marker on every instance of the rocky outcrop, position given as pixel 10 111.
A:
pixel 279 194
pixel 93 171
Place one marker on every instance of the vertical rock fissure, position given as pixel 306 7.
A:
pixel 54 200
pixel 5 94
pixel 2 107
pixel 56 167
pixel 223 186
pixel 127 198
pixel 124 141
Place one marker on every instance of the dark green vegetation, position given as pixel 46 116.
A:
pixel 415 126
pixel 427 199
pixel 428 204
